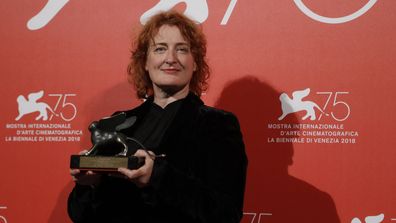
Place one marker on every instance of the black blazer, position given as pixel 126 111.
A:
pixel 202 178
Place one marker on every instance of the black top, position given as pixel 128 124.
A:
pixel 201 179
pixel 155 123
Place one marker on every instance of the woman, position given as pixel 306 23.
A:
pixel 201 175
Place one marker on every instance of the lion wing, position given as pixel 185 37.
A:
pixel 298 95
pixel 33 97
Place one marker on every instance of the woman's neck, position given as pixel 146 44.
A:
pixel 163 98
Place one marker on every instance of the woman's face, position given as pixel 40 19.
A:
pixel 170 63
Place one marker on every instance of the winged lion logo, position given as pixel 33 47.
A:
pixel 296 104
pixel 31 105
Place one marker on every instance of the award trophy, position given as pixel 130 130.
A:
pixel 110 147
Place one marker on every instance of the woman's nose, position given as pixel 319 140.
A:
pixel 171 56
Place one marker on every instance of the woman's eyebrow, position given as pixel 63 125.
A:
pixel 166 44
pixel 160 43
pixel 182 43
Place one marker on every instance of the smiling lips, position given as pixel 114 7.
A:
pixel 170 70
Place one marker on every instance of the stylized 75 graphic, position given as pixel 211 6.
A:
pixel 64 98
pixel 336 103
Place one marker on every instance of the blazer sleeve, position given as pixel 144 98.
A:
pixel 80 203
pixel 217 195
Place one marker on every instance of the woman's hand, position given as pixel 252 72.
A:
pixel 141 177
pixel 85 177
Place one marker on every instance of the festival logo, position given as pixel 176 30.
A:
pixel 195 9
pixel 322 122
pixel 297 105
pixel 52 119
pixel 30 105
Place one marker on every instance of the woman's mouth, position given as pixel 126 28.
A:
pixel 170 70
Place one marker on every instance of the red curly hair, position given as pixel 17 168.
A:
pixel 192 33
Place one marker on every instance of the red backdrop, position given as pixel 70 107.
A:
pixel 331 59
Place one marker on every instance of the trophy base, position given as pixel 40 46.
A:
pixel 105 163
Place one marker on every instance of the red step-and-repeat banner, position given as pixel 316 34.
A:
pixel 312 83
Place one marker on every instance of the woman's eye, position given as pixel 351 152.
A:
pixel 183 49
pixel 159 49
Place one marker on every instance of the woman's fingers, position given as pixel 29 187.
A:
pixel 141 176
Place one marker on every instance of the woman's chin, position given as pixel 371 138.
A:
pixel 171 89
